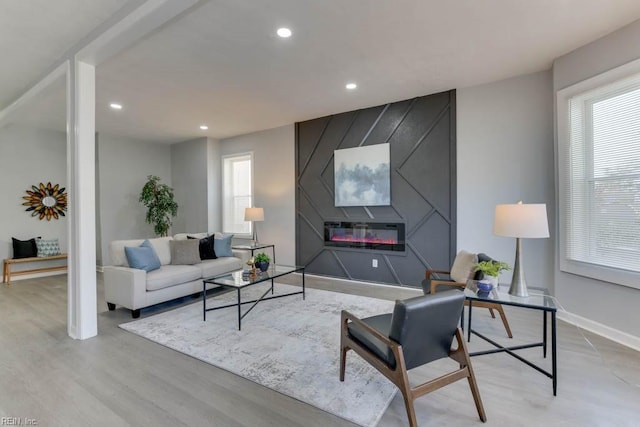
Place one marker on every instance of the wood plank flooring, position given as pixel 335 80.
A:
pixel 119 379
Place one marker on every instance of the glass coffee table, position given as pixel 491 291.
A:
pixel 538 300
pixel 238 281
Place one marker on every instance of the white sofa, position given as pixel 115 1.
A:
pixel 135 289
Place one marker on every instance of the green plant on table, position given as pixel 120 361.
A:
pixel 262 257
pixel 492 268
pixel 161 207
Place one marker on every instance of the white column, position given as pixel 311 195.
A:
pixel 82 312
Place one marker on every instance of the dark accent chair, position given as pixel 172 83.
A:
pixel 420 330
pixel 432 285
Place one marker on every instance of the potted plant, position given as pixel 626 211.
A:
pixel 491 270
pixel 161 207
pixel 262 261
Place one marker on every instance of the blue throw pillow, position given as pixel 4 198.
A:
pixel 222 245
pixel 143 257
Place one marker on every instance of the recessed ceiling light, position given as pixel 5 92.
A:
pixel 204 127
pixel 284 32
pixel 115 106
pixel 351 86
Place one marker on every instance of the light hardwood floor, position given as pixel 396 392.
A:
pixel 119 379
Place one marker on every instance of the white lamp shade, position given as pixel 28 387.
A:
pixel 254 214
pixel 520 220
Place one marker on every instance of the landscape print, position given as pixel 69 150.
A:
pixel 362 176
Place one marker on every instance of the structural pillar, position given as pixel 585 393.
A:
pixel 82 314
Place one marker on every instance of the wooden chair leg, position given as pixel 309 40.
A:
pixel 505 322
pixel 402 383
pixel 343 361
pixel 492 313
pixel 473 385
pixel 411 413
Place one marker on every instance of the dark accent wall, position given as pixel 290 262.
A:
pixel 422 137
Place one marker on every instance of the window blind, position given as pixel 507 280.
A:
pixel 600 213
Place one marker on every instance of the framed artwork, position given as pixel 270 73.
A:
pixel 46 201
pixel 362 176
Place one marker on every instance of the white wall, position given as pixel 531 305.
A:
pixel 189 179
pixel 123 166
pixel 214 180
pixel 614 306
pixel 28 157
pixel 274 184
pixel 505 154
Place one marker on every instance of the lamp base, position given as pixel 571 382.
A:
pixel 518 286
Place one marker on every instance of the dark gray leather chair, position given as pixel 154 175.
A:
pixel 431 285
pixel 420 330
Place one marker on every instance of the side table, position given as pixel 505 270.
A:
pixel 252 247
pixel 541 302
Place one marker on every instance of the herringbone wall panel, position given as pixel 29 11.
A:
pixel 421 134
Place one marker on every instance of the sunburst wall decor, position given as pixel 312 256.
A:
pixel 46 201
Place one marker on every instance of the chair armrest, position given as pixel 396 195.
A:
pixel 346 316
pixel 436 283
pixel 428 274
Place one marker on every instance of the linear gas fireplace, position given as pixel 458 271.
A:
pixel 385 236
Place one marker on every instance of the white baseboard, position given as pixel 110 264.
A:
pixel 615 335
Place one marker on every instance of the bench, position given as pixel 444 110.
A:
pixel 6 266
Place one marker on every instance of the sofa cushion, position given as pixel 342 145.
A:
pixel 214 267
pixel 207 250
pixel 160 245
pixel 222 245
pixel 171 275
pixel 184 252
pixel 142 257
pixel 185 236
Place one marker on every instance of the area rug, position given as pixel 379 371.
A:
pixel 286 344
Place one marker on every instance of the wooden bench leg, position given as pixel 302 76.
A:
pixel 8 269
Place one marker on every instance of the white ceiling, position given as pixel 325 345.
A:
pixel 221 64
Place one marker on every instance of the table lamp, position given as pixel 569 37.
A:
pixel 520 221
pixel 254 215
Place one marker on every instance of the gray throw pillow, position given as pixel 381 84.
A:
pixel 184 252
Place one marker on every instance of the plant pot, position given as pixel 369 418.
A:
pixel 263 266
pixel 491 279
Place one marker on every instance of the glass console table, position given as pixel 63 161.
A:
pixel 538 299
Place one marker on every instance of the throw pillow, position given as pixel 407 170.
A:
pixel 222 245
pixel 24 248
pixel 47 247
pixel 207 251
pixel 143 257
pixel 463 265
pixel 185 252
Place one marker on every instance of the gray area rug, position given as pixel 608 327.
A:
pixel 286 344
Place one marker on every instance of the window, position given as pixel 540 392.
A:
pixel 599 171
pixel 237 192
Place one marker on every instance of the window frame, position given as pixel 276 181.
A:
pixel 600 272
pixel 223 160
